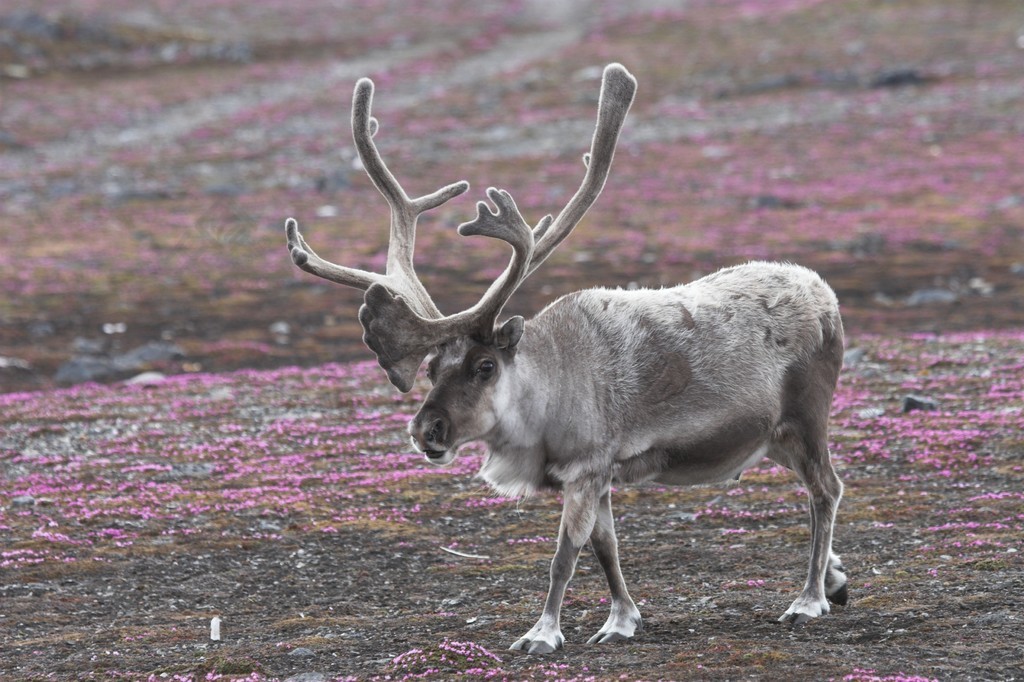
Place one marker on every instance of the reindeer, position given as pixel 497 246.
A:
pixel 682 386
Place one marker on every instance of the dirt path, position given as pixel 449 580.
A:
pixel 172 123
pixel 802 108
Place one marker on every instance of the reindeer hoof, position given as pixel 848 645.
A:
pixel 607 637
pixel 798 620
pixel 619 628
pixel 537 643
pixel 841 596
pixel 534 646
pixel 804 609
pixel 541 648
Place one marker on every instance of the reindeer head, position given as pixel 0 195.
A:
pixel 470 350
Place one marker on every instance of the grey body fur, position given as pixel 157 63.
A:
pixel 678 385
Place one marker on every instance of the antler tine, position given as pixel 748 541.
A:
pixel 306 258
pixel 404 210
pixel 507 224
pixel 618 87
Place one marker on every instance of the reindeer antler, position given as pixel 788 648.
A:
pixel 400 275
pixel 401 323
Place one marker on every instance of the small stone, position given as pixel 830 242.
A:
pixel 930 296
pixel 23 501
pixel 83 368
pixel 1008 202
pixel 871 413
pixel 980 286
pixel 17 71
pixel 712 151
pixel 898 78
pixel 301 652
pixel 153 351
pixel 332 180
pixel 146 379
pixel 84 346
pixel 989 620
pixel 281 331
pixel 41 329
pixel 15 363
pixel 17 375
pixel 854 356
pixel 882 299
pixel 918 402
pixel 770 83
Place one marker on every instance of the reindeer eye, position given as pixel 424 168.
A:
pixel 485 368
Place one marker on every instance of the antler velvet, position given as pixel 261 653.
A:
pixel 401 323
pixel 400 275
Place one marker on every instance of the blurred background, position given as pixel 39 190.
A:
pixel 151 150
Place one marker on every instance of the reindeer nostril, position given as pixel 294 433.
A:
pixel 436 433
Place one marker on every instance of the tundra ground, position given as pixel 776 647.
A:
pixel 148 158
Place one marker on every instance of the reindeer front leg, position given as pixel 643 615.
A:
pixel 579 514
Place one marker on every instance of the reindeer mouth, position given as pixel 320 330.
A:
pixel 439 457
pixel 436 457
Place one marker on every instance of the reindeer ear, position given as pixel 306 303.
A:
pixel 506 337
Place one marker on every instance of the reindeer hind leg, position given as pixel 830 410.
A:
pixel 805 450
pixel 835 581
